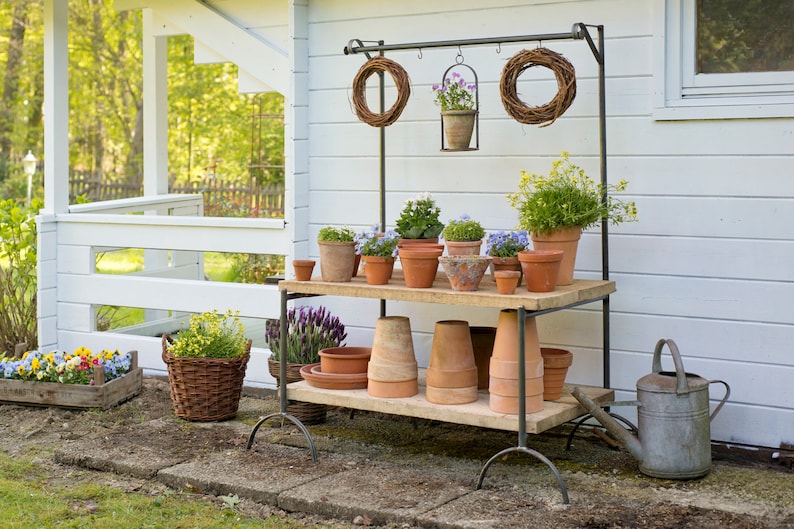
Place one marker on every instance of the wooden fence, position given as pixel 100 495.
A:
pixel 222 198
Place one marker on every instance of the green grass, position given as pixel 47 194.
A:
pixel 30 501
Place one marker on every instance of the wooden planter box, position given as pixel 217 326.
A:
pixel 101 394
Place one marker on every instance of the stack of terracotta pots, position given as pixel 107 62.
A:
pixel 339 368
pixel 503 381
pixel 452 372
pixel 392 371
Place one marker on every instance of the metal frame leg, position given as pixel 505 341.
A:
pixel 535 454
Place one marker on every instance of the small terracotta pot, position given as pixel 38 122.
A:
pixel 356 264
pixel 464 247
pixel 541 268
pixel 565 239
pixel 505 263
pixel 377 269
pixel 315 377
pixel 555 368
pixel 420 266
pixel 303 269
pixel 337 261
pixel 465 271
pixel 507 281
pixel 344 360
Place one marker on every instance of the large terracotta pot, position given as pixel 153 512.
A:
pixel 464 247
pixel 458 128
pixel 392 370
pixel 503 381
pixel 420 266
pixel 377 269
pixel 451 372
pixel 337 261
pixel 425 243
pixel 465 271
pixel 555 367
pixel 565 239
pixel 541 269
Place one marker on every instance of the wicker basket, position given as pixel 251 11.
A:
pixel 205 389
pixel 305 412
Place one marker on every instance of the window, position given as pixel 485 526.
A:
pixel 725 59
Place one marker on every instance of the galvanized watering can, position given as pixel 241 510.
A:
pixel 673 420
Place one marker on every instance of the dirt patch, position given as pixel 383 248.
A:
pixel 605 486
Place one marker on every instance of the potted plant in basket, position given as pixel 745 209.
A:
pixel 556 208
pixel 378 251
pixel 463 236
pixel 337 253
pixel 206 366
pixel 309 329
pixel 456 99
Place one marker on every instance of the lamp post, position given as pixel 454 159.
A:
pixel 29 166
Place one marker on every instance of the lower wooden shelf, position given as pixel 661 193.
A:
pixel 476 413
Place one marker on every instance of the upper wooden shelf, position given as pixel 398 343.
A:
pixel 582 290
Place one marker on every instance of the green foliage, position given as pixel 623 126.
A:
pixel 454 93
pixel 256 268
pixel 211 335
pixel 336 234
pixel 463 229
pixel 567 197
pixel 419 218
pixel 18 282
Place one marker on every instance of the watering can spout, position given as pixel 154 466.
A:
pixel 630 441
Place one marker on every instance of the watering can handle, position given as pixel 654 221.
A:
pixel 682 386
pixel 724 399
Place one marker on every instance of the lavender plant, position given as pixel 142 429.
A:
pixel 309 329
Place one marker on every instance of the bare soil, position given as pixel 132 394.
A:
pixel 606 488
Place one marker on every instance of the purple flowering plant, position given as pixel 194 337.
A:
pixel 373 243
pixel 309 329
pixel 506 243
pixel 454 93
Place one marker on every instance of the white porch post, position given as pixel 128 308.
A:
pixel 296 132
pixel 56 107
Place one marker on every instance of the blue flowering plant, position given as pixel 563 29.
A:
pixel 309 329
pixel 454 93
pixel 65 368
pixel 506 243
pixel 374 243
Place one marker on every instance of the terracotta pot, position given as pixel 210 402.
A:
pixel 315 377
pixel 378 269
pixel 507 281
pixel 303 269
pixel 464 271
pixel 425 243
pixel 505 263
pixel 337 261
pixel 555 368
pixel 458 128
pixel 356 263
pixel 464 247
pixel 420 266
pixel 565 239
pixel 344 359
pixel 541 269
pixel 392 369
pixel 503 371
pixel 482 343
pixel 451 372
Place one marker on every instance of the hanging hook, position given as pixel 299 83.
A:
pixel 498 47
pixel 459 57
pixel 420 53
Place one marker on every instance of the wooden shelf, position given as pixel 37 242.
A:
pixel 580 291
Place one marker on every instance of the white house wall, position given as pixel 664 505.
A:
pixel 711 262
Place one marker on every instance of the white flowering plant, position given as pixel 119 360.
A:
pixel 419 218
pixel 65 368
pixel 211 335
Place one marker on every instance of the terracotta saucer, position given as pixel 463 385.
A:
pixel 316 378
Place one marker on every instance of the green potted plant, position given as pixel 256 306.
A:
pixel 309 329
pixel 378 251
pixel 457 101
pixel 419 219
pixel 504 247
pixel 206 366
pixel 337 253
pixel 555 208
pixel 463 236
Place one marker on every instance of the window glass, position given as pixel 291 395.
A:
pixel 744 36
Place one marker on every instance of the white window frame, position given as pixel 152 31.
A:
pixel 680 93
